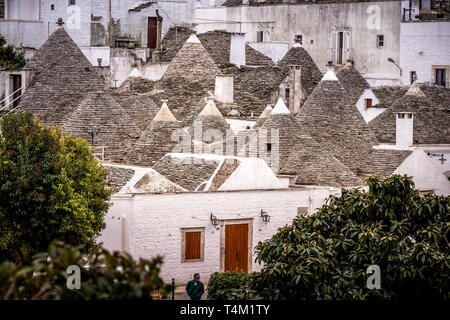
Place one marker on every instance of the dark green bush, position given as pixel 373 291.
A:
pixel 108 276
pixel 231 285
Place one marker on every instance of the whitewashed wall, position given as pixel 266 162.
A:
pixel 154 222
pixel 316 22
pixel 274 50
pixel 423 44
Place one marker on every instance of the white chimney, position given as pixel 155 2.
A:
pixel 295 89
pixel 404 129
pixel 224 88
pixel 237 49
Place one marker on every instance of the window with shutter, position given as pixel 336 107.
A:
pixel 192 244
pixel 368 103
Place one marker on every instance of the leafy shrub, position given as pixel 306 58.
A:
pixel 51 187
pixel 325 255
pixel 10 59
pixel 231 285
pixel 104 275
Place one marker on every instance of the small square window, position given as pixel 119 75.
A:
pixel 269 147
pixel 193 240
pixel 298 39
pixel 72 2
pixel 380 41
pixel 52 7
pixel 368 103
pixel 401 116
pixel 312 41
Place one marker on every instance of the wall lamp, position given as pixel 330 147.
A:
pixel 265 216
pixel 214 220
pixel 92 132
pixel 392 61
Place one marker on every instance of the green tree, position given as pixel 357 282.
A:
pixel 326 255
pixel 103 275
pixel 10 59
pixel 51 187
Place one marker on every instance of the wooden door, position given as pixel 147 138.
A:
pixel 236 247
pixel 152 31
pixel 16 85
pixel 340 48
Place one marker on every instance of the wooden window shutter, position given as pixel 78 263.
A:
pixel 368 103
pixel 192 250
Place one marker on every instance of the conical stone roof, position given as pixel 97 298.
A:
pixel 116 130
pixel 187 80
pixel 301 155
pixel 337 124
pixel 156 140
pixel 431 116
pixel 210 118
pixel 353 82
pixel 62 78
pixel 310 73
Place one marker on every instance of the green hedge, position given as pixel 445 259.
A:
pixel 231 285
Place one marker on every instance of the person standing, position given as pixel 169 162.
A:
pixel 194 288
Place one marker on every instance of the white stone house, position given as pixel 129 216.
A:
pixel 209 231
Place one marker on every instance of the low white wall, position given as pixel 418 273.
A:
pixel 274 50
pixel 154 71
pixel 154 222
pixel 93 53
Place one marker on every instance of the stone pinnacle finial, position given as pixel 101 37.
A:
pixel 60 22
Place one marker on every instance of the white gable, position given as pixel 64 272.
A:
pixel 425 174
pixel 252 174
pixel 135 73
pixel 371 113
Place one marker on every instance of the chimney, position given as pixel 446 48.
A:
pixel 295 89
pixel 224 88
pixel 404 129
pixel 237 49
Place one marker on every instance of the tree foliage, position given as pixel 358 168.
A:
pixel 10 59
pixel 230 285
pixel 326 255
pixel 104 275
pixel 51 187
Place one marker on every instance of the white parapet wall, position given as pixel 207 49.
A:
pixel 237 49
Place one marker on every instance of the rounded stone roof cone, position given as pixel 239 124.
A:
pixel 210 110
pixel 280 108
pixel 164 114
pixel 330 76
pixel 135 73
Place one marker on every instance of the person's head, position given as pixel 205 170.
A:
pixel 196 277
